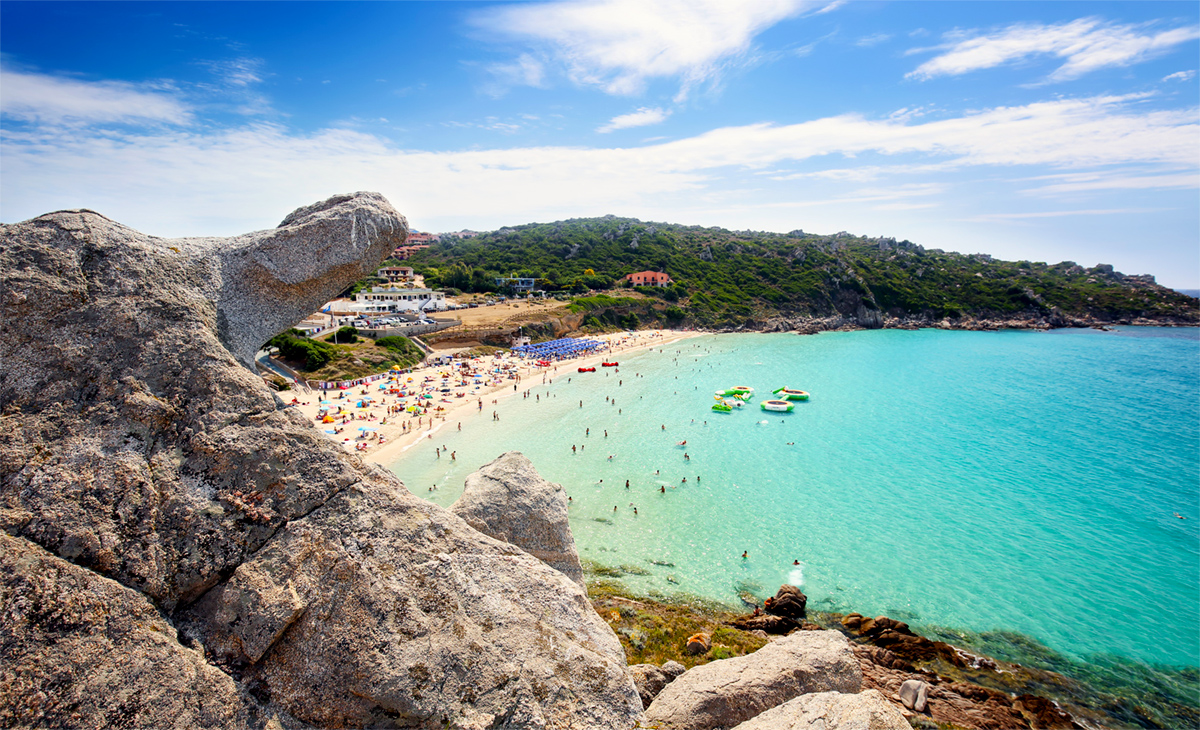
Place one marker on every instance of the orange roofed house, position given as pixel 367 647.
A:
pixel 649 278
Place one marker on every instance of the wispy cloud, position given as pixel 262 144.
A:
pixel 1018 217
pixel 525 70
pixel 161 178
pixel 45 99
pixel 1086 45
pixel 618 45
pixel 1180 76
pixel 643 117
pixel 1109 180
pixel 872 40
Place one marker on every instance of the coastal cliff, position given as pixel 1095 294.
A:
pixel 183 551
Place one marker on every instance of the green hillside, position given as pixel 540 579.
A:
pixel 734 278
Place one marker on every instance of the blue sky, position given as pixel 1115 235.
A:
pixel 1028 130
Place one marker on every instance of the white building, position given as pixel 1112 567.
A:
pixel 384 299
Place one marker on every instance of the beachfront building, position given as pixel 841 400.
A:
pixel 396 274
pixel 649 278
pixel 385 299
pixel 519 284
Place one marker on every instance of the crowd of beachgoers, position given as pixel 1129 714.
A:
pixel 381 420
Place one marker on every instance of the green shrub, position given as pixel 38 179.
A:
pixel 315 355
pixel 344 336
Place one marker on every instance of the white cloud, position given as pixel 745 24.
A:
pixel 525 70
pixel 176 182
pixel 237 72
pixel 40 98
pixel 872 40
pixel 1093 181
pixel 1086 45
pixel 618 45
pixel 1017 217
pixel 643 117
pixel 1180 76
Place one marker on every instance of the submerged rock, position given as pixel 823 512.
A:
pixel 724 693
pixel 142 462
pixel 508 500
pixel 831 711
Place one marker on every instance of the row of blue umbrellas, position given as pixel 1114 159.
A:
pixel 564 346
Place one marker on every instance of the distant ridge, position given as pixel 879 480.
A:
pixel 761 280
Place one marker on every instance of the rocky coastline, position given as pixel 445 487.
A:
pixel 181 550
pixel 1030 320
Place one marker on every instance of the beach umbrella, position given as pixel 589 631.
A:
pixel 365 428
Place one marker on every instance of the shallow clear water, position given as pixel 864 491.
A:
pixel 1015 481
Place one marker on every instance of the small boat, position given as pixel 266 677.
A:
pixel 722 408
pixel 608 364
pixel 791 393
pixel 587 370
pixel 777 405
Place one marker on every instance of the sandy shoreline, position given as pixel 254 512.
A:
pixel 461 412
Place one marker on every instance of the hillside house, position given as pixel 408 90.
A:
pixel 649 278
pixel 519 284
pixel 403 252
pixel 396 274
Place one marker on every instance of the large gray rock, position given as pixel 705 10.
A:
pixel 723 693
pixel 509 501
pixel 831 711
pixel 140 453
pixel 62 631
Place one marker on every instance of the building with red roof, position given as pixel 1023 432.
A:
pixel 649 278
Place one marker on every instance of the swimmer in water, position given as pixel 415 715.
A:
pixel 745 555
pixel 795 562
pixel 663 489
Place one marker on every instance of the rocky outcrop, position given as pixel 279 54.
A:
pixel 79 650
pixel 788 602
pixel 650 679
pixel 141 461
pixel 509 501
pixel 724 693
pixel 831 711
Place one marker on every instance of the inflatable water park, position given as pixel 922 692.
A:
pixel 736 397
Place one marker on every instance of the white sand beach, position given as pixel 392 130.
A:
pixel 393 433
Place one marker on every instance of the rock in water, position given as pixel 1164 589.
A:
pixel 788 602
pixel 509 501
pixel 831 711
pixel 914 694
pixel 724 693
pixel 160 490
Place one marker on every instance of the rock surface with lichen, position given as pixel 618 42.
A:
pixel 207 545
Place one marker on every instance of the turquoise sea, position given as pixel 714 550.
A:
pixel 989 484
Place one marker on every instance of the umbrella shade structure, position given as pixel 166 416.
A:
pixel 365 428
